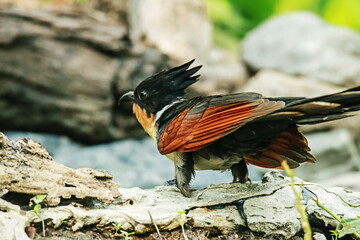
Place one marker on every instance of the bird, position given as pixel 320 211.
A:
pixel 229 131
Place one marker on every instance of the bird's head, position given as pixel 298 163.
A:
pixel 162 89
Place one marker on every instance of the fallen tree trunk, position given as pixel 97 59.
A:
pixel 87 202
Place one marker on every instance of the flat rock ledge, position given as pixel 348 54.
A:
pixel 86 204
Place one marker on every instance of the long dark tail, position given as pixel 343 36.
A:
pixel 289 143
pixel 320 109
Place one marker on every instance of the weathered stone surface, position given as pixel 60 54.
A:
pixel 179 28
pixel 226 220
pixel 348 180
pixel 63 73
pixel 27 168
pixel 273 214
pixel 12 223
pixel 302 44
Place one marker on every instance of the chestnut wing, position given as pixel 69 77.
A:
pixel 209 119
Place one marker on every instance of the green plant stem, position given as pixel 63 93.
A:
pixel 182 225
pixel 183 231
pixel 332 214
pixel 43 226
pixel 327 210
pixel 299 206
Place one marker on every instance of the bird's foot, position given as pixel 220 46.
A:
pixel 236 180
pixel 185 189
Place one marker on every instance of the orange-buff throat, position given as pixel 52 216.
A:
pixel 146 121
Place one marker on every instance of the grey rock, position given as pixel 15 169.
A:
pixel 302 44
pixel 272 83
pixel 337 200
pixel 335 152
pixel 179 28
pixel 227 219
pixel 273 214
pixel 319 236
pixel 348 180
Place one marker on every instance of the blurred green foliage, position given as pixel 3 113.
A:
pixel 232 19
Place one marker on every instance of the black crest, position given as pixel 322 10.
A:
pixel 166 87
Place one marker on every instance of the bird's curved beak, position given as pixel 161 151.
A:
pixel 127 97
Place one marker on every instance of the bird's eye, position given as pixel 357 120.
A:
pixel 143 95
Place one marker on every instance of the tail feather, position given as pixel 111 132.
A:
pixel 320 109
pixel 352 95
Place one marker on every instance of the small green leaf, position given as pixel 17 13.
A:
pixel 181 212
pixel 348 226
pixel 39 199
pixel 117 226
pixel 334 234
pixel 36 209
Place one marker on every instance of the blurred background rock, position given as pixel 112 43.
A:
pixel 64 63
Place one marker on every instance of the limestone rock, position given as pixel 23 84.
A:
pixel 303 44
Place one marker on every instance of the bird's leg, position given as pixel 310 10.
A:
pixel 184 173
pixel 239 172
